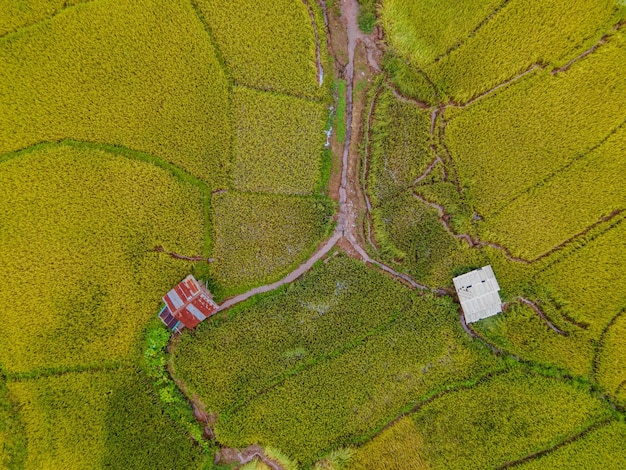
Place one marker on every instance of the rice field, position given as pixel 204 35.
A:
pixel 329 373
pixel 278 142
pixel 520 34
pixel 467 428
pixel 260 237
pixel 424 31
pixel 515 140
pixel 92 73
pixel 269 45
pixel 101 280
pixel 118 416
pixel 611 368
pixel 600 448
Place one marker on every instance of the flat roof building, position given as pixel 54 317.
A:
pixel 478 294
pixel 186 305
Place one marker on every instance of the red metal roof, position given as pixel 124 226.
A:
pixel 190 302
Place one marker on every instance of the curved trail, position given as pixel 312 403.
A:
pixel 347 217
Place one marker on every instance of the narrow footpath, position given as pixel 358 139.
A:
pixel 346 229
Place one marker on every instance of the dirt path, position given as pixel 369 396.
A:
pixel 227 455
pixel 349 190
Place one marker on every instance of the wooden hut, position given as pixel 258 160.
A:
pixel 186 305
pixel 478 294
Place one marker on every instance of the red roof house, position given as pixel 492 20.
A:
pixel 186 305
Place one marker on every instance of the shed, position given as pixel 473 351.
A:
pixel 478 294
pixel 186 305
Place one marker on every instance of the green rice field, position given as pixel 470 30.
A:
pixel 145 140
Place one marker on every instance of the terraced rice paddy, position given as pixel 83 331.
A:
pixel 118 135
pixel 493 133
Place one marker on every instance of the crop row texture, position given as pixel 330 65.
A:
pixel 400 147
pixel 396 448
pixel 611 373
pixel 512 141
pixel 297 330
pixel 589 283
pixel 567 203
pixel 523 33
pixel 422 31
pixel 79 274
pixel 106 419
pixel 467 428
pixel 278 142
pixel 603 448
pixel 401 347
pixel 119 72
pixel 258 237
pixel 266 45
pixel 16 15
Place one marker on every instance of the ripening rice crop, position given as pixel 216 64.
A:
pixel 521 34
pixel 424 30
pixel 12 432
pixel 278 142
pixel 409 232
pixel 509 142
pixel 297 330
pixel 396 448
pixel 589 283
pixel 566 203
pixel 603 449
pixel 611 360
pixel 78 226
pixel 337 355
pixel 343 399
pixel 99 419
pixel 266 45
pixel 19 14
pixel 141 73
pixel 259 237
pixel 503 419
pixel 521 332
pixel 400 147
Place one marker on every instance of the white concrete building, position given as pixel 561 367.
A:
pixel 478 294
